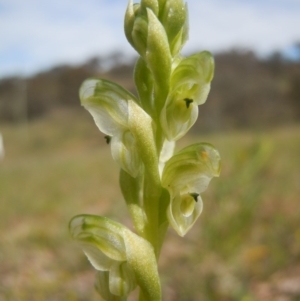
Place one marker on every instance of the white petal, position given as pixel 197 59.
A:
pixel 108 104
pixel 106 120
pixel 180 221
pixel 102 287
pixel 97 259
pixel 165 154
pixel 100 234
pixel 125 152
pixel 121 279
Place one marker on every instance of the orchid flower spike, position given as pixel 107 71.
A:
pixel 159 188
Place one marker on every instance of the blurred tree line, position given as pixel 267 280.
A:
pixel 246 92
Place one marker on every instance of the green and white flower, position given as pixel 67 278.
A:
pixel 189 88
pixel 186 175
pixel 112 107
pixel 122 258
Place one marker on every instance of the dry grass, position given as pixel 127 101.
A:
pixel 245 246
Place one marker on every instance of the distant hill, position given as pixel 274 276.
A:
pixel 246 91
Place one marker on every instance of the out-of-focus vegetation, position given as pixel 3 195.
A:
pixel 245 246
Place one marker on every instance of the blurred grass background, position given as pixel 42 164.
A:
pixel 245 245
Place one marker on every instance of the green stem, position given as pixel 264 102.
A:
pixel 152 192
pixel 131 188
pixel 163 220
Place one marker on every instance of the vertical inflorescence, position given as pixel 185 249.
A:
pixel 160 188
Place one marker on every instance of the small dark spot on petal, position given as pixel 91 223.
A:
pixel 107 139
pixel 188 101
pixel 195 196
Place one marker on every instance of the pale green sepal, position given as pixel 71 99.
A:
pixel 129 21
pixel 188 169
pixel 181 37
pixel 125 152
pixel 176 44
pixel 174 18
pixel 121 279
pixel 99 233
pixel 132 192
pixel 107 103
pixel 144 83
pixel 141 127
pixel 141 258
pixel 102 287
pixel 140 34
pixel 185 28
pixel 165 154
pixel 161 4
pixel 185 176
pixel 98 260
pixel 158 55
pixel 152 4
pixel 183 212
pixel 176 61
pixel 132 12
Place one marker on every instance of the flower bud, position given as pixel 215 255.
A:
pixel 175 21
pixel 131 12
pixel 148 37
pixel 185 176
pixel 161 4
pixel 158 55
pixel 140 34
pixel 151 4
pixel 190 85
pixel 144 83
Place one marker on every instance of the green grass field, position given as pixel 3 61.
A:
pixel 245 246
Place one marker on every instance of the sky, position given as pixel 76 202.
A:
pixel 38 34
